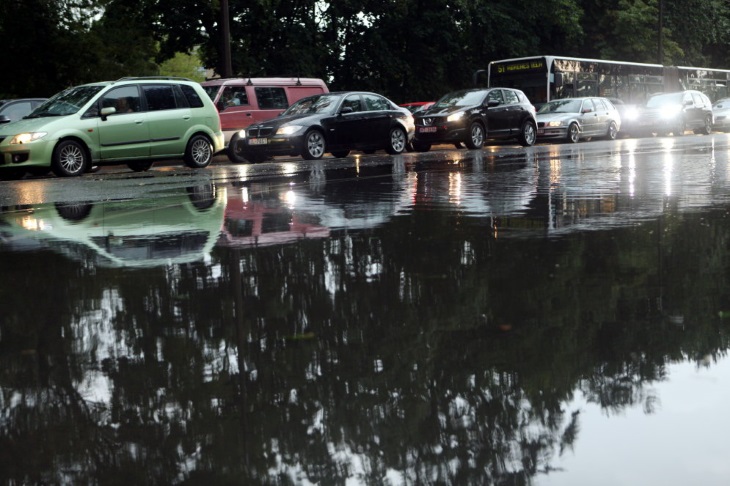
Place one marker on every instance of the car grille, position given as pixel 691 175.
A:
pixel 256 132
pixel 429 121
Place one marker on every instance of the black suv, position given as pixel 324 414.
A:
pixel 475 115
pixel 675 113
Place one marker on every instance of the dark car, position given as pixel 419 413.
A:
pixel 14 110
pixel 675 113
pixel 575 119
pixel 472 116
pixel 333 123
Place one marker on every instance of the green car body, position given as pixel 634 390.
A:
pixel 164 118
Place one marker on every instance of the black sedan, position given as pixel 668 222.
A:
pixel 333 123
pixel 475 115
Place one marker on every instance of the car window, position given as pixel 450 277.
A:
pixel 234 96
pixel 588 106
pixel 601 105
pixel 192 96
pixel 495 95
pixel 697 97
pixel 510 97
pixel 16 111
pixel 375 103
pixel 271 98
pixel 352 101
pixel 125 99
pixel 159 97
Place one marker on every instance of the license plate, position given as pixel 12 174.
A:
pixel 540 131
pixel 426 129
pixel 258 141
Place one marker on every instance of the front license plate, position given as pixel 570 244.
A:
pixel 258 141
pixel 426 129
pixel 540 131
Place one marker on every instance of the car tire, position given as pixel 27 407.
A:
pixel 340 154
pixel 528 134
pixel 234 153
pixel 421 147
pixel 140 166
pixel 202 197
pixel 612 131
pixel 69 159
pixel 573 133
pixel 397 141
pixel 199 152
pixel 74 212
pixel 314 145
pixel 706 127
pixel 475 140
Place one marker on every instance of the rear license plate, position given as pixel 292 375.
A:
pixel 426 129
pixel 258 141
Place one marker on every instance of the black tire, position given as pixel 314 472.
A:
pixel 397 141
pixel 235 155
pixel 573 133
pixel 475 140
pixel 140 166
pixel 612 132
pixel 74 212
pixel 340 154
pixel 69 159
pixel 528 134
pixel 199 152
pixel 706 129
pixel 314 145
pixel 421 147
pixel 202 197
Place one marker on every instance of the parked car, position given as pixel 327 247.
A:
pixel 244 101
pixel 84 126
pixel 574 119
pixel 721 115
pixel 472 116
pixel 675 113
pixel 14 110
pixel 333 123
pixel 416 106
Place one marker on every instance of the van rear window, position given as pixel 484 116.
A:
pixel 271 98
pixel 192 96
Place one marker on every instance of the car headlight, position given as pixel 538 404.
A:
pixel 242 133
pixel 454 117
pixel 28 137
pixel 631 114
pixel 670 111
pixel 556 123
pixel 288 129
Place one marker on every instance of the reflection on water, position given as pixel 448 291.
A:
pixel 425 323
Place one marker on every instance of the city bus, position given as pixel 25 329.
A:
pixel 543 78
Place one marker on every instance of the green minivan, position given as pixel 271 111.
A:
pixel 132 120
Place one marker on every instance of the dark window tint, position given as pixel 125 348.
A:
pixel 159 97
pixel 192 96
pixel 495 95
pixel 124 99
pixel 352 101
pixel 271 98
pixel 510 97
pixel 376 103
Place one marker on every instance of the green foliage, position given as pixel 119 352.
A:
pixel 184 65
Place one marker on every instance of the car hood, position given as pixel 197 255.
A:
pixel 303 119
pixel 29 125
pixel 445 111
pixel 548 117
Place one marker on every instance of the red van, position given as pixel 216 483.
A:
pixel 243 101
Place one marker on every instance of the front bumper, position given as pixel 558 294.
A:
pixel 439 134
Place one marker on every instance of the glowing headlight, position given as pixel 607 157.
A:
pixel 631 114
pixel 455 117
pixel 670 111
pixel 22 138
pixel 242 133
pixel 288 129
pixel 554 123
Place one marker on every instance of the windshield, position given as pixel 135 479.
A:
pixel 211 90
pixel 561 106
pixel 461 98
pixel 323 104
pixel 657 101
pixel 66 102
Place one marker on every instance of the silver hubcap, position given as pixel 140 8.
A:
pixel 397 140
pixel 477 136
pixel 529 134
pixel 71 158
pixel 201 152
pixel 315 145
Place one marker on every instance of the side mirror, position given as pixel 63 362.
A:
pixel 586 110
pixel 105 112
pixel 493 103
pixel 345 110
pixel 4 119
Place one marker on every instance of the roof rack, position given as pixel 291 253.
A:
pixel 169 78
